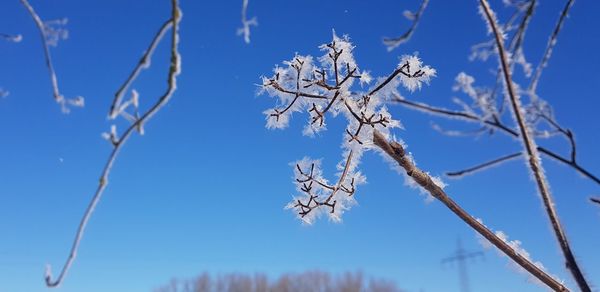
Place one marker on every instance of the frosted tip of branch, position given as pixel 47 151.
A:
pixel 414 73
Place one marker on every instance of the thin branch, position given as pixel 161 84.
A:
pixel 393 43
pixel 550 46
pixel 484 165
pixel 566 133
pixel 595 200
pixel 533 154
pixel 42 28
pixel 174 71
pixel 455 114
pixel 572 164
pixel 396 152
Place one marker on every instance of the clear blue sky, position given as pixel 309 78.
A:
pixel 204 188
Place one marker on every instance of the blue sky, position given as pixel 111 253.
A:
pixel 204 188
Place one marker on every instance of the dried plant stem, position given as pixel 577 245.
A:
pixel 396 152
pixel 533 154
pixel 42 29
pixel 174 70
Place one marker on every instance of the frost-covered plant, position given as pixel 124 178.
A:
pixel 492 106
pixel 51 32
pixel 530 147
pixel 136 119
pixel 326 86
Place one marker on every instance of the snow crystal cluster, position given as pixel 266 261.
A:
pixel 326 85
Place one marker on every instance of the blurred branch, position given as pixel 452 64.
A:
pixel 496 124
pixel 550 46
pixel 46 39
pixel 393 43
pixel 11 38
pixel 395 151
pixel 484 165
pixel 595 200
pixel 144 63
pixel 118 142
pixel 532 152
pixel 246 23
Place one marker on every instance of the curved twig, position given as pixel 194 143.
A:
pixel 393 43
pixel 144 63
pixel 174 70
pixel 532 152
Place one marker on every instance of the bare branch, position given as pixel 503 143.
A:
pixel 393 43
pixel 396 152
pixel 484 165
pixel 118 143
pixel 572 164
pixel 595 200
pixel 532 152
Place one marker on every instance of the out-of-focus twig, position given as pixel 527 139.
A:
pixel 498 125
pixel 392 43
pixel 11 38
pixel 43 29
pixel 118 142
pixel 246 23
pixel 484 165
pixel 550 46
